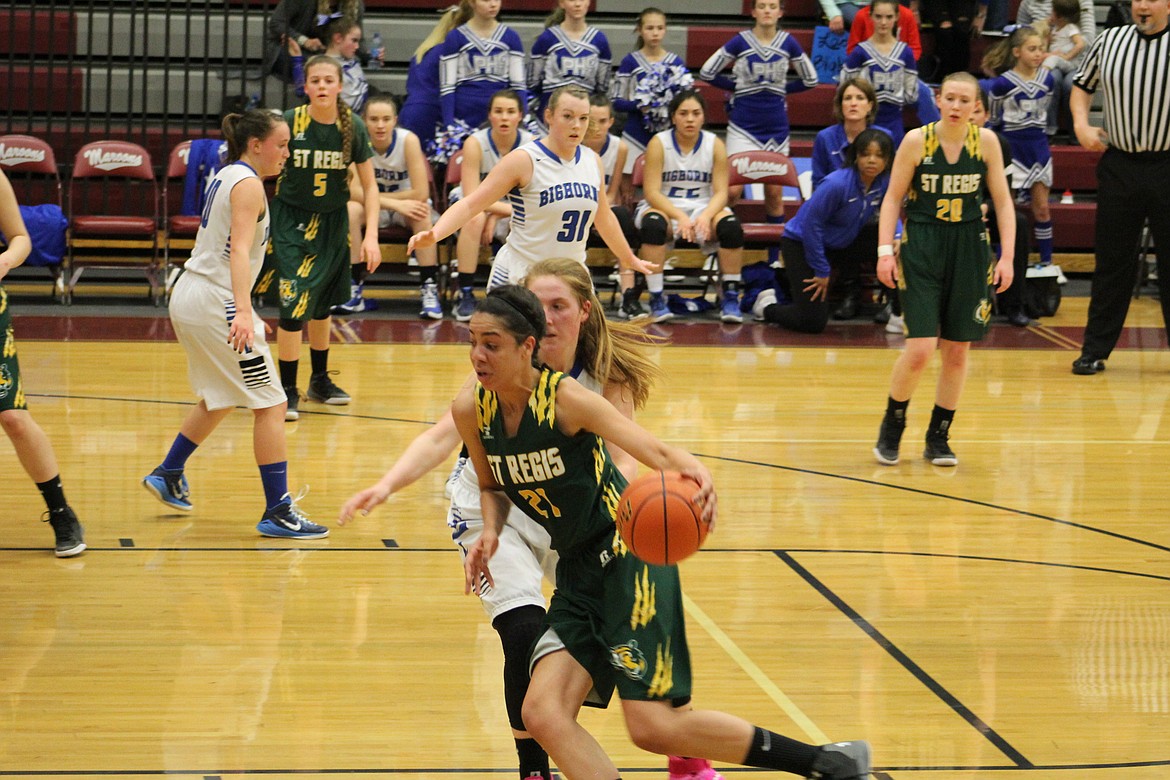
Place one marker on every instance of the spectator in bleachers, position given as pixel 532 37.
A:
pixel 344 38
pixel 33 448
pixel 889 65
pixel 645 82
pixel 304 22
pixel 421 112
pixel 841 13
pixel 613 152
pixel 1011 302
pixel 400 169
pixel 1066 50
pixel 568 53
pixel 766 64
pixel 1019 109
pixel 955 23
pixel 854 108
pixel 829 230
pixel 685 190
pixel 483 151
pixel 479 57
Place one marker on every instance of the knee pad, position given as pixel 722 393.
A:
pixel 292 326
pixel 654 229
pixel 518 629
pixel 729 232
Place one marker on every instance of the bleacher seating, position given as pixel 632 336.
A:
pixel 38 31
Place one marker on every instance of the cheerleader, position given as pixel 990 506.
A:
pixel 764 61
pixel 1020 99
pixel 568 53
pixel 478 59
pixel 645 82
pixel 889 65
pixel 421 111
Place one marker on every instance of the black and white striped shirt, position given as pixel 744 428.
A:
pixel 1134 72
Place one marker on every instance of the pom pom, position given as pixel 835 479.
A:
pixel 656 88
pixel 448 142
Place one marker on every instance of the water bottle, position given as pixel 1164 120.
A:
pixel 377 51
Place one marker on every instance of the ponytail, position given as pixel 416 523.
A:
pixel 239 129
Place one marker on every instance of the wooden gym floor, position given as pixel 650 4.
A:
pixel 1009 618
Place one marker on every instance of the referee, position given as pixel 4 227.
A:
pixel 1131 66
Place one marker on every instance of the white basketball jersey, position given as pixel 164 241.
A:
pixel 686 178
pixel 551 216
pixel 390 166
pixel 491 155
pixel 608 155
pixel 211 255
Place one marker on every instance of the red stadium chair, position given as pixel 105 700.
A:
pixel 113 213
pixel 180 228
pixel 31 167
pixel 760 167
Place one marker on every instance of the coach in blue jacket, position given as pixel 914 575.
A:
pixel 828 230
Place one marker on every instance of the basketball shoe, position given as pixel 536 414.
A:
pixel 938 450
pixel 659 311
pixel 293 396
pixel 842 761
pixel 730 311
pixel 169 487
pixel 466 304
pixel 323 391
pixel 431 308
pixel 889 440
pixel 287 521
pixel 70 536
pixel 691 769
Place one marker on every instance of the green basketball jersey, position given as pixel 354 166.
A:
pixel 944 192
pixel 314 176
pixel 568 484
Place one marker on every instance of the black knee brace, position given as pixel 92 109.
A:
pixel 292 326
pixel 518 629
pixel 654 229
pixel 729 232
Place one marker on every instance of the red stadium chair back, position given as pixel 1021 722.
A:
pixel 31 166
pixel 113 212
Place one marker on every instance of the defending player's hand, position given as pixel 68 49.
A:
pixel 241 332
pixel 887 271
pixel 475 565
pixel 420 241
pixel 362 503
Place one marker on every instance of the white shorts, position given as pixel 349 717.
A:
pixel 739 141
pixel 710 246
pixel 522 559
pixel 223 378
pixel 386 218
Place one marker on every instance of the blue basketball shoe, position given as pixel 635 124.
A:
pixel 287 521
pixel 169 487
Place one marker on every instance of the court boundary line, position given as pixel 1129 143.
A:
pixel 920 674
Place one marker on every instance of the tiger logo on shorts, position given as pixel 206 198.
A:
pixel 6 382
pixel 288 291
pixel 629 660
pixel 983 312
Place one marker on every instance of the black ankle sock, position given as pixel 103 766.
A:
pixel 941 419
pixel 358 272
pixel 466 280
pixel 319 359
pixel 897 409
pixel 773 751
pixel 427 273
pixel 533 759
pixel 53 493
pixel 288 372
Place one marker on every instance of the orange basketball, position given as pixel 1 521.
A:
pixel 659 519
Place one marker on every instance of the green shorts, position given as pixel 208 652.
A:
pixel 11 389
pixel 308 256
pixel 944 280
pixel 623 621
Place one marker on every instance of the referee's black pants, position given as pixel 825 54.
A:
pixel 1131 188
